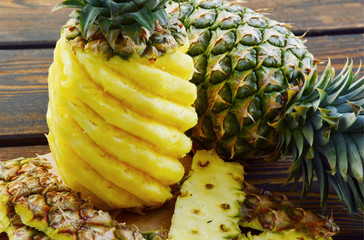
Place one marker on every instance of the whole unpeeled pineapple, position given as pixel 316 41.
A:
pixel 259 96
pixel 120 102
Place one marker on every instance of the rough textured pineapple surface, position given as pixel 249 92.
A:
pixel 273 212
pixel 208 206
pixel 44 203
pixel 283 235
pixel 117 126
pixel 245 65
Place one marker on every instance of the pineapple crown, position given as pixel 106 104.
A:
pixel 322 129
pixel 128 26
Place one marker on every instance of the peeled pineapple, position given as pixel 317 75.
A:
pixel 117 114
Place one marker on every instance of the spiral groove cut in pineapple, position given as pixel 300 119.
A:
pixel 117 126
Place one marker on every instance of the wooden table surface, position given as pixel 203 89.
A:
pixel 27 37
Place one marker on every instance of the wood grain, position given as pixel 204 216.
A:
pixel 23 80
pixel 23 91
pixel 24 22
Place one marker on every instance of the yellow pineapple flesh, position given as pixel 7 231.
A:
pixel 209 202
pixel 117 126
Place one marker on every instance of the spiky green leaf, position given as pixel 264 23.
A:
pixel 358 138
pixel 308 132
pixel 342 155
pixel 68 4
pixel 298 140
pixel 95 3
pixel 87 19
pixel 346 121
pixel 161 16
pixel 329 151
pixel 323 180
pixel 355 160
pixel 144 17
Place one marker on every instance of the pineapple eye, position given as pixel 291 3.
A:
pixel 225 206
pixel 224 228
pixel 196 211
pixel 203 164
pixel 210 186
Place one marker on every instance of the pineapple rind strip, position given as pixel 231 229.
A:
pixel 126 177
pixel 48 205
pixel 291 234
pixel 167 139
pixel 14 227
pixel 182 117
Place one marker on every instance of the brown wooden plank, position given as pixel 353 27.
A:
pixel 23 91
pixel 30 21
pixel 7 153
pixel 23 80
pixel 314 15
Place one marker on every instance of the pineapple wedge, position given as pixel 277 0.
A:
pixel 209 203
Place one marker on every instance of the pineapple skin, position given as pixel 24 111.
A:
pixel 273 212
pixel 44 203
pixel 209 202
pixel 291 234
pixel 246 67
pixel 130 114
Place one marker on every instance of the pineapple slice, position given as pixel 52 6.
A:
pixel 291 234
pixel 208 207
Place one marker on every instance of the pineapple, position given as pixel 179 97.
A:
pixel 286 234
pixel 259 96
pixel 45 205
pixel 120 102
pixel 272 212
pixel 203 209
pixel 208 205
pixel 14 227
